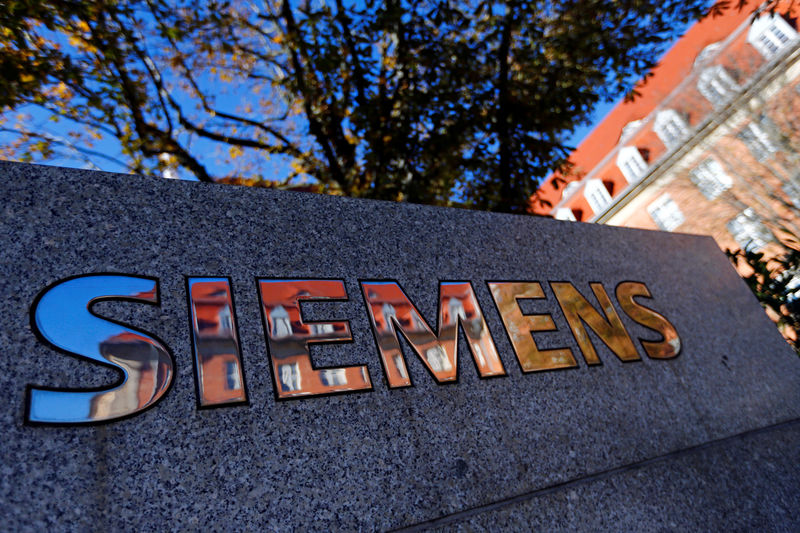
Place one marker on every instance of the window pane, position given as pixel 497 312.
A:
pixel 749 232
pixel 666 213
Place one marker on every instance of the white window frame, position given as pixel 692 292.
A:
pixel 710 178
pixel 631 163
pixel 281 325
pixel 233 378
pixel 323 328
pixel 793 284
pixel 225 319
pixel 456 310
pixel 333 376
pixel 289 376
pixel 748 231
pixel 666 213
pixel 437 359
pixel 596 195
pixel 565 213
pixel 671 128
pixel 389 312
pixel 770 34
pixel 717 85
pixel 758 141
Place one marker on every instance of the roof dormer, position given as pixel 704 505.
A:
pixel 769 34
pixel 717 85
pixel 631 163
pixel 671 128
pixel 596 195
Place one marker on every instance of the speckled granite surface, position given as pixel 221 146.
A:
pixel 388 458
pixel 745 483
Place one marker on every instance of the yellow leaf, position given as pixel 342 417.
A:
pixel 297 167
pixel 235 151
pixel 61 90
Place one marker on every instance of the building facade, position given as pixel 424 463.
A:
pixel 710 146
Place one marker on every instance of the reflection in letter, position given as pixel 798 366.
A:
pixel 609 329
pixel 63 318
pixel 670 345
pixel 521 327
pixel 390 309
pixel 218 367
pixel 288 338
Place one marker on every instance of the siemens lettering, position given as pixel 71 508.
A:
pixel 63 317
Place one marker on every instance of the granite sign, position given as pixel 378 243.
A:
pixel 513 372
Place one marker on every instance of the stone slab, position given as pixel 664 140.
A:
pixel 372 461
pixel 693 491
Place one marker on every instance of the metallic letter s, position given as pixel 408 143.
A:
pixel 610 329
pixel 670 345
pixel 62 316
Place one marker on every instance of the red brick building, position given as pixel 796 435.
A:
pixel 709 147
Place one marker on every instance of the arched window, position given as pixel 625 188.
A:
pixel 770 34
pixel 717 85
pixel 631 163
pixel 671 128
